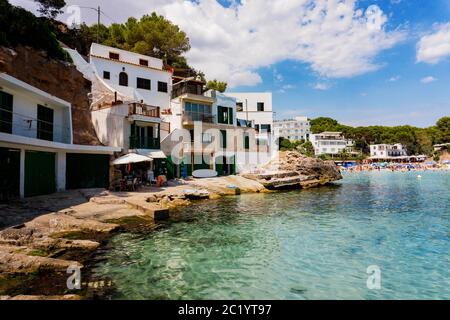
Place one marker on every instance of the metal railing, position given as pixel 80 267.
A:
pixel 143 110
pixel 190 117
pixel 137 142
pixel 187 88
pixel 26 126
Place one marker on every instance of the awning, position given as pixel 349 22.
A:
pixel 154 154
pixel 131 158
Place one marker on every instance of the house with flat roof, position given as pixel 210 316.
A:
pixel 330 143
pixel 297 128
pixel 208 117
pixel 255 107
pixel 37 154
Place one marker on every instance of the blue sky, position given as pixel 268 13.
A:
pixel 362 62
pixel 371 98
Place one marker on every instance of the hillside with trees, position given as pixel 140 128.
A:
pixel 152 35
pixel 417 140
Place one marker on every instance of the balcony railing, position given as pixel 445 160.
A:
pixel 203 117
pixel 137 142
pixel 26 126
pixel 187 88
pixel 143 110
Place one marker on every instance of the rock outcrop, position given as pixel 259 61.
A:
pixel 292 170
pixel 57 78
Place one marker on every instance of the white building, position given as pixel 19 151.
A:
pixel 205 150
pixel 386 151
pixel 255 107
pixel 298 128
pixel 37 155
pixel 330 143
pixel 138 77
pixel 129 90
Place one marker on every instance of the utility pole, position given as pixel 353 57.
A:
pixel 98 24
pixel 98 19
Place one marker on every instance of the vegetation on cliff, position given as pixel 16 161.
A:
pixel 20 27
pixel 417 140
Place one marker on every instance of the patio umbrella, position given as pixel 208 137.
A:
pixel 131 158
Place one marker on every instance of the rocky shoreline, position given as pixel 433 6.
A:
pixel 40 251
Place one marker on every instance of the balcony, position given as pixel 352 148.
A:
pixel 190 118
pixel 189 87
pixel 140 111
pixel 137 142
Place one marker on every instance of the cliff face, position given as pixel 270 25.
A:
pixel 57 78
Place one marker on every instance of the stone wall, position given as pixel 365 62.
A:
pixel 58 78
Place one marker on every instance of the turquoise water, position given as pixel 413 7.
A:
pixel 312 244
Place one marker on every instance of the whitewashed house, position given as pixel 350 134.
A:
pixel 192 105
pixel 298 128
pixel 255 107
pixel 330 143
pixel 128 93
pixel 388 151
pixel 37 155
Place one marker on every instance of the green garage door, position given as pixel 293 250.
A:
pixel 9 173
pixel 40 177
pixel 87 171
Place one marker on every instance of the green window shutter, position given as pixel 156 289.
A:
pixel 219 114
pixel 224 138
pixel 246 142
pixel 230 116
pixel 6 112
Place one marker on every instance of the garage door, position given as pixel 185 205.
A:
pixel 40 175
pixel 9 173
pixel 87 171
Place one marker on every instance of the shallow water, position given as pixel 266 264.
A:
pixel 311 244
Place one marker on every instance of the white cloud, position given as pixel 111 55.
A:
pixel 322 86
pixel 428 79
pixel 435 47
pixel 394 78
pixel 334 37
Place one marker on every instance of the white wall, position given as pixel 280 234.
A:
pixel 321 147
pixel 222 100
pixel 111 126
pixel 151 97
pixel 125 56
pixel 250 100
pixel 25 107
pixel 294 129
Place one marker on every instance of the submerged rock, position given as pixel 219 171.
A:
pixel 292 170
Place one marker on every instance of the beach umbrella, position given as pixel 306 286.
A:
pixel 131 158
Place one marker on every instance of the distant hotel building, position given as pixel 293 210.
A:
pixel 298 128
pixel 331 143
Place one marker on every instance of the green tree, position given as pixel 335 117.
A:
pixel 322 124
pixel 50 8
pixel 20 27
pixel 284 144
pixel 216 85
pixel 443 128
pixel 307 149
pixel 152 35
pixel 343 154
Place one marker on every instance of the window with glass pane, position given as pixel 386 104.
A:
pixel 265 127
pixel 45 123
